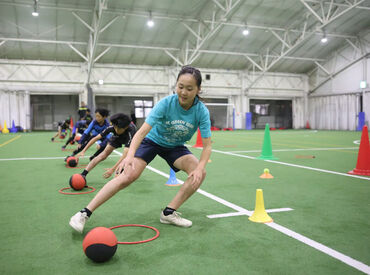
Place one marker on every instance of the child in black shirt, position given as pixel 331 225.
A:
pixel 122 132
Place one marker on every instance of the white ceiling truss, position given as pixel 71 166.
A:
pixel 350 54
pixel 287 45
pixel 198 33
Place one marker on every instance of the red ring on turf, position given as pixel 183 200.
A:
pixel 138 225
pixel 74 193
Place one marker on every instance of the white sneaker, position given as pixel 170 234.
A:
pixel 77 222
pixel 175 219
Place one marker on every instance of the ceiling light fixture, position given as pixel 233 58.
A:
pixel 35 9
pixel 245 30
pixel 150 22
pixel 101 81
pixel 324 39
pixel 363 84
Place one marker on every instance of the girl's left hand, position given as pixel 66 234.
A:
pixel 197 175
pixel 108 172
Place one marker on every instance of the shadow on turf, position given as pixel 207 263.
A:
pixel 114 260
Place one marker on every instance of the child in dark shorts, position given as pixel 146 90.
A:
pixel 122 131
pixel 172 122
pixel 63 127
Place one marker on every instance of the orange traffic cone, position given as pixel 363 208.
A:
pixel 308 125
pixel 71 124
pixel 198 143
pixel 363 158
pixel 266 174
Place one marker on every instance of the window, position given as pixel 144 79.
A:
pixel 143 108
pixel 261 109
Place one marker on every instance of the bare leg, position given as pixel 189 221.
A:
pixel 102 156
pixel 116 184
pixel 186 163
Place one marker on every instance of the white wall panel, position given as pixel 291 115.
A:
pixel 15 106
pixel 60 78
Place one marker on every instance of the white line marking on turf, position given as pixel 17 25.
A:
pixel 278 210
pixel 44 158
pixel 233 214
pixel 294 165
pixel 327 250
pixel 292 150
pixel 331 252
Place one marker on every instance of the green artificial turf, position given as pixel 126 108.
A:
pixel 331 209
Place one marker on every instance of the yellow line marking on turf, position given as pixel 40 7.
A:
pixel 9 141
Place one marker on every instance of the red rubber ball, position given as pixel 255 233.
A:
pixel 100 244
pixel 77 182
pixel 72 161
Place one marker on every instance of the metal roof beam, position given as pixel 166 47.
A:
pixel 253 62
pixel 110 45
pixel 78 52
pixel 85 43
pixel 301 39
pixel 109 23
pixel 62 6
pixel 322 68
pixel 329 16
pixel 312 11
pixel 100 5
pixel 174 58
pixel 101 54
pixel 178 17
pixel 192 31
pixel 357 49
pixel 337 4
pixel 82 21
pixel 230 7
pixel 366 55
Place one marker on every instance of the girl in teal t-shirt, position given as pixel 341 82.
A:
pixel 171 123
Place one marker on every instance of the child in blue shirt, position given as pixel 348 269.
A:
pixel 78 128
pixel 95 128
pixel 122 131
pixel 171 123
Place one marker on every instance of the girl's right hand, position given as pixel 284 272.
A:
pixel 128 162
pixel 119 169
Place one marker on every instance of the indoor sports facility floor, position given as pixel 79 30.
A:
pixel 325 232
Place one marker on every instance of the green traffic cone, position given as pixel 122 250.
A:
pixel 266 147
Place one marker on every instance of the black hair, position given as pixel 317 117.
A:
pixel 88 119
pixel 88 110
pixel 68 121
pixel 120 120
pixel 193 71
pixel 102 112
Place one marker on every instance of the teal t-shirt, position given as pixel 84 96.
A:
pixel 173 126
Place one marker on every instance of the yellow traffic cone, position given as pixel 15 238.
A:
pixel 5 130
pixel 260 215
